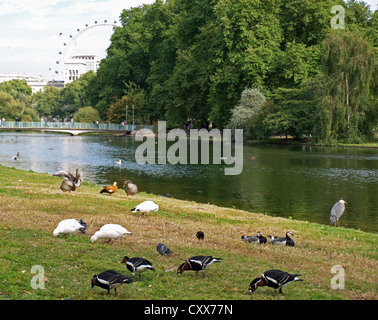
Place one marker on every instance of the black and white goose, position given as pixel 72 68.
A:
pixel 163 249
pixel 197 263
pixel 137 264
pixel 110 279
pixel 258 238
pixel 285 241
pixel 275 279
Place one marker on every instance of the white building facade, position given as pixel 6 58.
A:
pixel 36 83
pixel 78 65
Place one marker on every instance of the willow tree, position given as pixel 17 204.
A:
pixel 347 111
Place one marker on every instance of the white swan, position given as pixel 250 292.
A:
pixel 146 207
pixel 110 231
pixel 70 226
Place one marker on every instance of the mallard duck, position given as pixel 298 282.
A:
pixel 109 188
pixel 137 264
pixel 197 263
pixel 163 249
pixel 130 188
pixel 146 207
pixel 110 232
pixel 110 279
pixel 258 238
pixel 71 182
pixel 275 279
pixel 70 226
pixel 285 241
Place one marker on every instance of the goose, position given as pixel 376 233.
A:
pixel 275 279
pixel 67 186
pixel 110 279
pixel 71 182
pixel 130 188
pixel 285 241
pixel 163 249
pixel 200 235
pixel 70 226
pixel 197 263
pixel 137 264
pixel 109 188
pixel 258 238
pixel 146 207
pixel 337 211
pixel 111 232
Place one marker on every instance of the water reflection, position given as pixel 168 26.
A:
pixel 301 182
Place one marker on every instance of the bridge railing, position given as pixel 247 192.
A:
pixel 69 125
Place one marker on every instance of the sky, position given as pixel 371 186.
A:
pixel 32 33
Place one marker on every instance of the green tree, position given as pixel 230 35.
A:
pixel 250 36
pixel 347 110
pixel 86 115
pixel 46 102
pixel 135 97
pixel 246 111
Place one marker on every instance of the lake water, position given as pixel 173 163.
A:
pixel 300 182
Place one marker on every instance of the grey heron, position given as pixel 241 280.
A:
pixel 336 212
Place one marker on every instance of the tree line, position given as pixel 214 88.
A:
pixel 267 66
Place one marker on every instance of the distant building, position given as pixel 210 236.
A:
pixel 36 83
pixel 78 65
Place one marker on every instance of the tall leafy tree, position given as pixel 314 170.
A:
pixel 250 35
pixel 347 110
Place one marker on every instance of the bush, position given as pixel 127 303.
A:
pixel 87 115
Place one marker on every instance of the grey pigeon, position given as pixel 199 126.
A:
pixel 163 249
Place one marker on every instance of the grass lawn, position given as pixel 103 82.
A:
pixel 31 205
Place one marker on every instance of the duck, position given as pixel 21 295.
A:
pixel 111 232
pixel 285 241
pixel 109 188
pixel 137 264
pixel 110 279
pixel 163 249
pixel 70 226
pixel 200 235
pixel 275 279
pixel 71 182
pixel 130 188
pixel 146 207
pixel 197 263
pixel 258 238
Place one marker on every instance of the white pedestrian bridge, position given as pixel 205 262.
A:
pixel 72 128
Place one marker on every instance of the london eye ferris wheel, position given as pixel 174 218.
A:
pixel 91 40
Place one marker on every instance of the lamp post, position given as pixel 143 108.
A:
pixel 126 114
pixel 133 118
